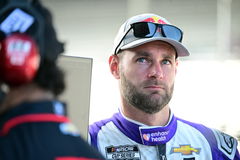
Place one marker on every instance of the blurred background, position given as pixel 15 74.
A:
pixel 208 81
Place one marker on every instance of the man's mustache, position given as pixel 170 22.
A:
pixel 154 83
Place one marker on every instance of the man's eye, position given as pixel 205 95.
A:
pixel 142 60
pixel 166 61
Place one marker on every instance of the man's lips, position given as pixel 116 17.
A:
pixel 154 87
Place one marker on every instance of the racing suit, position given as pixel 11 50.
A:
pixel 41 131
pixel 122 138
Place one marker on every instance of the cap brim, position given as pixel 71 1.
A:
pixel 180 49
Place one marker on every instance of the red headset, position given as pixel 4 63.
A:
pixel 20 51
pixel 19 59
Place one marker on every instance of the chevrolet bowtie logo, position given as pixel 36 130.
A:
pixel 185 150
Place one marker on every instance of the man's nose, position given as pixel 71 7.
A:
pixel 156 71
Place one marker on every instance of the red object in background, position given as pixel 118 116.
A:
pixel 19 59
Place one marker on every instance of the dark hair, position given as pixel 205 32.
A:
pixel 50 77
pixel 51 46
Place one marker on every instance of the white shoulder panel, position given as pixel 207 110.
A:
pixel 226 143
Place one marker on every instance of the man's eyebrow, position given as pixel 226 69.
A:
pixel 142 53
pixel 168 56
pixel 147 54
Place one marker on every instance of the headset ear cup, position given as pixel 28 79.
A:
pixel 19 59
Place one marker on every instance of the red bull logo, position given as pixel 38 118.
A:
pixel 155 19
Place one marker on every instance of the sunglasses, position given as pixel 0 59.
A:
pixel 148 30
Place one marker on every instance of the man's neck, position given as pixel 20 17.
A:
pixel 160 118
pixel 26 93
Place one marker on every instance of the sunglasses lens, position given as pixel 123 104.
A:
pixel 172 32
pixel 144 30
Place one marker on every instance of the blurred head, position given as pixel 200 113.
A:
pixel 29 51
pixel 145 61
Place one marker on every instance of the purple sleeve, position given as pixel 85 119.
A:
pixel 237 156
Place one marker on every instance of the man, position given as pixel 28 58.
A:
pixel 144 62
pixel 33 123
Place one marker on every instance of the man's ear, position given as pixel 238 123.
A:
pixel 114 65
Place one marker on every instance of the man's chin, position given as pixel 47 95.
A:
pixel 155 96
pixel 151 111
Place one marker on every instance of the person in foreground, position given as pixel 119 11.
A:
pixel 33 123
pixel 144 62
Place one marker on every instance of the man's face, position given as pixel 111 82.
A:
pixel 147 75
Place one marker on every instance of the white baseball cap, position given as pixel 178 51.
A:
pixel 124 40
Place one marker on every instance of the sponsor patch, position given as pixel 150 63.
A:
pixel 58 108
pixel 154 135
pixel 68 129
pixel 125 152
pixel 185 150
pixel 226 143
pixel 18 20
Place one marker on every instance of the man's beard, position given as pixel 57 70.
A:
pixel 144 102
